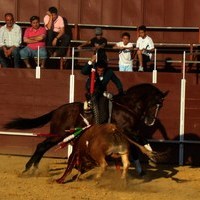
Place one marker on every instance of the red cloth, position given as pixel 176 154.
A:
pixel 92 82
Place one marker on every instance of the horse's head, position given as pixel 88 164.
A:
pixel 140 103
pixel 152 107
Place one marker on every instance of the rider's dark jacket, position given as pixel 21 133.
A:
pixel 102 82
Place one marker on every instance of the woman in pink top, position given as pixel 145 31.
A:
pixel 56 35
pixel 34 37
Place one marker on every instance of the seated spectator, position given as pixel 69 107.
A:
pixel 125 57
pixel 34 37
pixel 57 39
pixel 98 43
pixel 10 40
pixel 144 47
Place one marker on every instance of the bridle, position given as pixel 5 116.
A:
pixel 155 114
pixel 123 106
pixel 134 112
pixel 157 109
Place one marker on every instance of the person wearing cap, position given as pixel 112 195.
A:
pixel 98 43
pixel 103 75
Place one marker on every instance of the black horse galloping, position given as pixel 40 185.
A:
pixel 140 104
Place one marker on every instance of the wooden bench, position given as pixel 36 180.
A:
pixel 162 48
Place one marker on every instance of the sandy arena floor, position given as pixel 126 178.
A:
pixel 161 183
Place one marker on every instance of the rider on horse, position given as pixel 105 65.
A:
pixel 96 85
pixel 95 93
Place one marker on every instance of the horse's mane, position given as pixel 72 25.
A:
pixel 144 92
pixel 148 87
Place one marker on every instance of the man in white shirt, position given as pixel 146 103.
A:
pixel 125 58
pixel 144 47
pixel 10 40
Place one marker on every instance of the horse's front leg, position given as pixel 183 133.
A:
pixel 33 158
pixel 41 149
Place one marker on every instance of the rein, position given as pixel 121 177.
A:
pixel 155 114
pixel 157 108
pixel 123 106
pixel 131 111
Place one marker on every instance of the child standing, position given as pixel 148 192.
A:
pixel 125 58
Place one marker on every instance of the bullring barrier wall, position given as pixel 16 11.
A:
pixel 21 95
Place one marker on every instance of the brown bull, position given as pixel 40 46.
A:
pixel 95 144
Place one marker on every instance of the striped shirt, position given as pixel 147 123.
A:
pixel 11 37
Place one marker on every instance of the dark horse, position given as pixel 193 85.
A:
pixel 140 104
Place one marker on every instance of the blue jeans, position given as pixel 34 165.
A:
pixel 15 55
pixel 27 53
pixel 125 68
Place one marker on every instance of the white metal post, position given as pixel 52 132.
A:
pixel 71 84
pixel 71 94
pixel 182 115
pixel 154 74
pixel 37 71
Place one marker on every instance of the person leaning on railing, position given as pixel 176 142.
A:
pixel 98 43
pixel 125 58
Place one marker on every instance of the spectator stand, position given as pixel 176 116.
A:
pixel 59 60
pixel 168 53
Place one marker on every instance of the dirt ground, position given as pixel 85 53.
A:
pixel 163 182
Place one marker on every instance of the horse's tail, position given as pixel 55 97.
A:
pixel 29 123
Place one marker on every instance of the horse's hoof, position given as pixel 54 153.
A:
pixel 35 170
pixel 24 171
pixel 142 173
pixel 153 158
pixel 75 177
pixel 151 163
pixel 27 168
pixel 60 180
